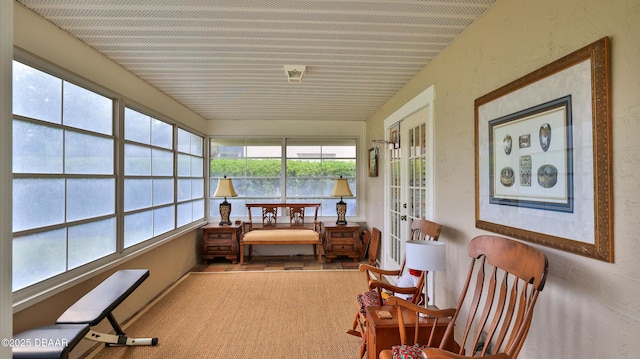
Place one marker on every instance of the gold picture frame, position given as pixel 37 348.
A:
pixel 543 156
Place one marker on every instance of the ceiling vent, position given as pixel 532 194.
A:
pixel 294 72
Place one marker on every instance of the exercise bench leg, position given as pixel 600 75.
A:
pixel 119 339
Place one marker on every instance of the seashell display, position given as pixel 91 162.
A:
pixel 547 176
pixel 507 176
pixel 507 144
pixel 545 136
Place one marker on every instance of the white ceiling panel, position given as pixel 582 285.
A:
pixel 225 58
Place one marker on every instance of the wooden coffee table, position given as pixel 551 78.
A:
pixel 384 333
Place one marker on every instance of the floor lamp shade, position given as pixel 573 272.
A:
pixel 341 189
pixel 225 189
pixel 425 255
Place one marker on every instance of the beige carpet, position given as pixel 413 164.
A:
pixel 283 314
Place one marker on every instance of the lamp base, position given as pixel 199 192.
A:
pixel 225 211
pixel 341 210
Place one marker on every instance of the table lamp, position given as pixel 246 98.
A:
pixel 341 189
pixel 425 256
pixel 225 189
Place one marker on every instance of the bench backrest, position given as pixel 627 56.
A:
pixel 296 213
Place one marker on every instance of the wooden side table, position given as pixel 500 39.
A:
pixel 220 241
pixel 341 240
pixel 384 333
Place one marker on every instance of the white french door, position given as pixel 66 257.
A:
pixel 409 182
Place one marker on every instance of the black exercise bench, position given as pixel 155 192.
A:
pixel 56 341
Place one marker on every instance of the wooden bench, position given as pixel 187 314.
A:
pixel 270 232
pixel 56 341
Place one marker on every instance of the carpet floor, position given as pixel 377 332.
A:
pixel 268 314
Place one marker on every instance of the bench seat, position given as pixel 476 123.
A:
pixel 284 236
pixel 269 232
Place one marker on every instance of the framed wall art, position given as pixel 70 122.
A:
pixel 543 156
pixel 373 162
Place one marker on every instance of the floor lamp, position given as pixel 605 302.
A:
pixel 425 256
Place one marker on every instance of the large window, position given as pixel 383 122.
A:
pixel 67 190
pixel 279 170
pixel 64 187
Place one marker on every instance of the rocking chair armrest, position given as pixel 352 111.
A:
pixel 375 284
pixel 370 268
pixel 435 353
pixel 437 313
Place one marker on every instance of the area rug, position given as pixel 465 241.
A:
pixel 283 314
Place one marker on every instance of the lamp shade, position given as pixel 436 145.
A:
pixel 341 188
pixel 225 188
pixel 425 255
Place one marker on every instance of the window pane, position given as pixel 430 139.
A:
pixel 197 188
pixel 161 134
pixel 90 197
pixel 259 187
pixel 338 151
pixel 184 165
pixel 137 126
pixel 36 94
pixel 87 110
pixel 185 213
pixel 303 151
pixel 307 187
pixel 198 209
pixel 36 148
pixel 137 160
pixel 184 141
pixel 184 189
pixel 37 203
pixel 196 145
pixel 162 163
pixel 137 194
pixel 337 168
pixel 196 166
pixel 263 167
pixel 91 241
pixel 162 191
pixel 49 249
pixel 138 227
pixel 230 167
pixel 264 150
pixel 87 154
pixel 304 168
pixel 163 220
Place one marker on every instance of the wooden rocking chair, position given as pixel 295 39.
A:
pixel 509 276
pixel 379 288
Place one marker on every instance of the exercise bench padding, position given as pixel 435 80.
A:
pixel 88 311
pixel 49 342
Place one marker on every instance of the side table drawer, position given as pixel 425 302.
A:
pixel 218 249
pixel 218 235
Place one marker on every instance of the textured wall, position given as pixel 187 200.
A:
pixel 589 308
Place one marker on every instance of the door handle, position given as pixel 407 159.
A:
pixel 403 218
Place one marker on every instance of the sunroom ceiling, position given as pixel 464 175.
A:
pixel 225 58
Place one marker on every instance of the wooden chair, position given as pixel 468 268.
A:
pixel 370 247
pixel 379 287
pixel 495 309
